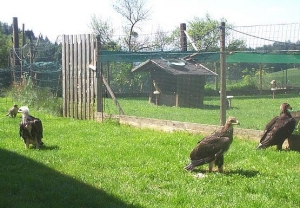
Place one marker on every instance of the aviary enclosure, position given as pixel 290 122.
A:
pixel 86 76
pixel 90 74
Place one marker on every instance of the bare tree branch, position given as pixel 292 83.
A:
pixel 134 11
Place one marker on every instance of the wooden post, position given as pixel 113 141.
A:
pixel 223 74
pixel 99 80
pixel 216 77
pixel 260 78
pixel 23 43
pixel 183 43
pixel 16 47
pixel 31 55
pixel 183 39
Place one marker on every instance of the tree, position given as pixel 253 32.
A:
pixel 103 28
pixel 135 12
pixel 164 41
pixel 205 33
pixel 6 44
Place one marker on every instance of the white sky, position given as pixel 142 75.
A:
pixel 56 17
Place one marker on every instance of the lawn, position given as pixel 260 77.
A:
pixel 91 164
pixel 253 111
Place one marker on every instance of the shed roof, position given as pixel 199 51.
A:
pixel 174 66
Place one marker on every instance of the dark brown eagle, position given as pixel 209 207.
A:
pixel 12 112
pixel 212 148
pixel 278 129
pixel 31 128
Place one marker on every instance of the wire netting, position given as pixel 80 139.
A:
pixel 163 75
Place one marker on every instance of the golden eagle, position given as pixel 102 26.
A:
pixel 212 148
pixel 31 128
pixel 278 129
pixel 12 112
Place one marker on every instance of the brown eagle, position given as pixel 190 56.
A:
pixel 211 149
pixel 31 128
pixel 278 129
pixel 12 112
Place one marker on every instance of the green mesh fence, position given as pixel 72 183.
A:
pixel 249 57
pixel 121 56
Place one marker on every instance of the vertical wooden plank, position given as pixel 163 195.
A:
pixel 71 53
pixel 75 76
pixel 99 77
pixel 83 65
pixel 88 74
pixel 67 75
pixel 79 80
pixel 63 70
pixel 93 73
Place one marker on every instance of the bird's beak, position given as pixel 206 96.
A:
pixel 236 123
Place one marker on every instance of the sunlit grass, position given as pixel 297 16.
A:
pixel 90 164
pixel 253 111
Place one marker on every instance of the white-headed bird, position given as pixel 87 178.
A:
pixel 31 128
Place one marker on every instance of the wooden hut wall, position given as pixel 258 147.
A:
pixel 167 84
pixel 165 81
pixel 180 91
pixel 190 91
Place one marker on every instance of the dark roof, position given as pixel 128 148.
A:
pixel 174 66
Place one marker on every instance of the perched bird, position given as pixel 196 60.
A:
pixel 157 90
pixel 211 149
pixel 31 128
pixel 278 129
pixel 12 112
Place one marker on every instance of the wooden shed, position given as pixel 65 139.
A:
pixel 175 82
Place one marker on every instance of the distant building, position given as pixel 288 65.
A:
pixel 175 82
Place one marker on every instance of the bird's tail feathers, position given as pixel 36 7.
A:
pixel 195 163
pixel 260 146
pixel 189 167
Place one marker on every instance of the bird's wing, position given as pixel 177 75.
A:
pixel 280 130
pixel 268 131
pixel 38 127
pixel 271 123
pixel 21 129
pixel 210 146
pixel 26 127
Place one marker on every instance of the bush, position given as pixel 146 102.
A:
pixel 35 97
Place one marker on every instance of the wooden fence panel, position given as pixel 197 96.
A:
pixel 78 52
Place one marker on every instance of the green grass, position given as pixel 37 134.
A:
pixel 90 164
pixel 280 76
pixel 253 111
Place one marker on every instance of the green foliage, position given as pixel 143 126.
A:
pixel 205 33
pixel 245 85
pixel 297 129
pixel 90 164
pixel 5 43
pixel 35 97
pixel 123 80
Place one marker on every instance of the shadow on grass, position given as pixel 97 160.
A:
pixel 211 107
pixel 26 183
pixel 241 172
